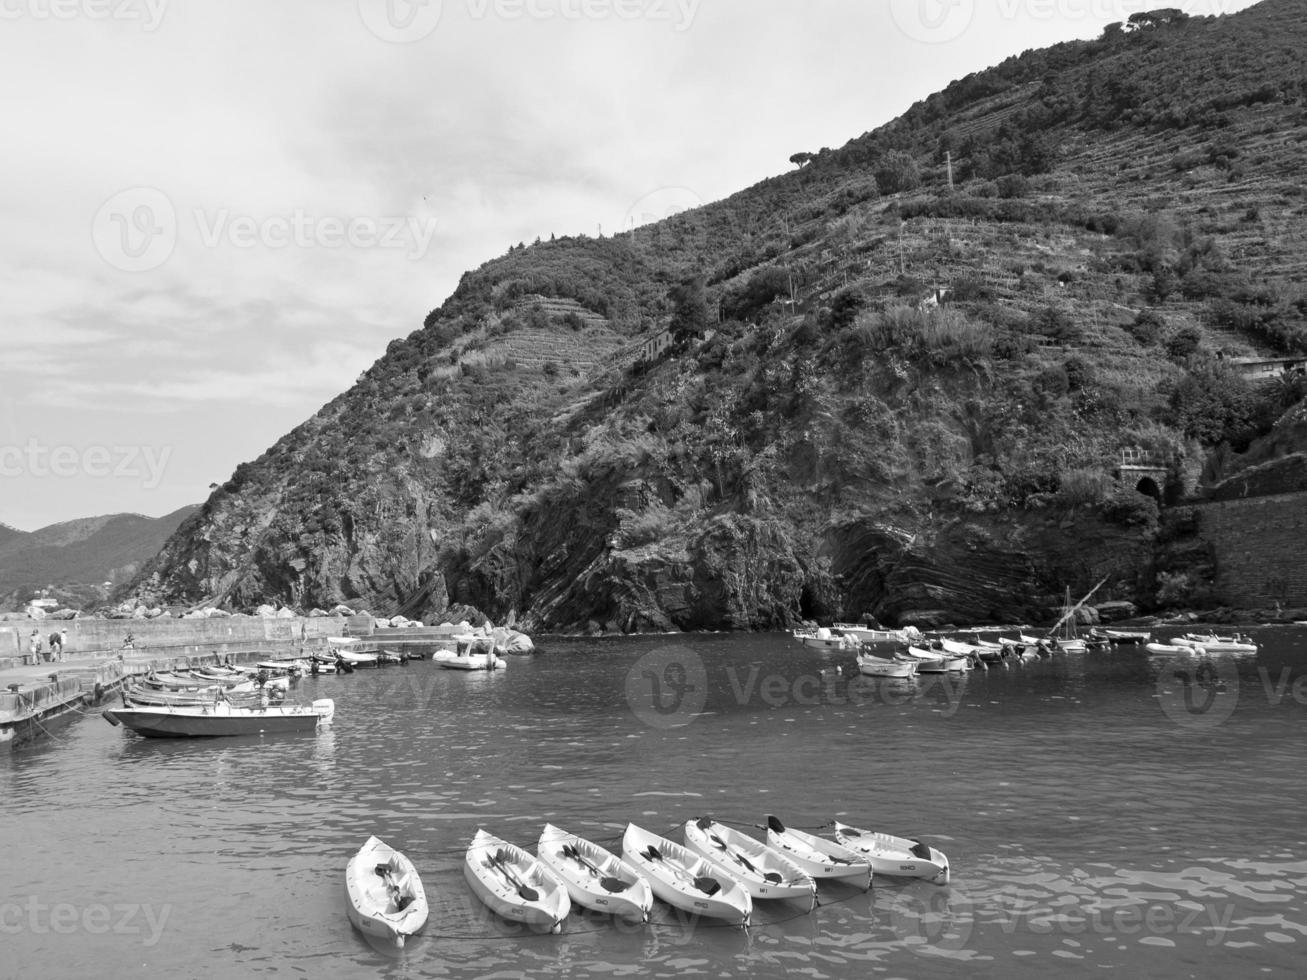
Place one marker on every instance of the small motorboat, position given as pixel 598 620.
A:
pixel 357 658
pixel 384 895
pixel 684 880
pixel 938 662
pixel 897 857
pixel 215 719
pixel 818 857
pixel 1158 647
pixel 825 639
pixel 874 666
pixel 764 871
pixel 515 885
pixel 470 653
pixel 595 878
pixel 1220 644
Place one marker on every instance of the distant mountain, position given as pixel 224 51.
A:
pixel 81 553
pixel 931 350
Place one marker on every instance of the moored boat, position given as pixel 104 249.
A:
pixel 764 871
pixel 594 877
pixel 684 880
pixel 384 895
pixel 1158 647
pixel 221 719
pixel 825 639
pixel 470 653
pixel 1220 644
pixel 515 885
pixel 874 666
pixel 818 857
pixel 896 857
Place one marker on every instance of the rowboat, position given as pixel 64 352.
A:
pixel 874 666
pixel 221 718
pixel 818 857
pixel 938 662
pixel 1220 644
pixel 470 653
pixel 896 857
pixel 357 659
pixel 764 871
pixel 684 880
pixel 1123 636
pixel 824 639
pixel 595 878
pixel 384 895
pixel 515 885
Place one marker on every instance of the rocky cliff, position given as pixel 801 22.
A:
pixel 886 393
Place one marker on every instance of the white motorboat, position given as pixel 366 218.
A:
pixel 515 885
pixel 384 895
pixel 764 871
pixel 874 666
pixel 684 880
pixel 818 857
pixel 595 878
pixel 896 857
pixel 825 639
pixel 1220 644
pixel 470 653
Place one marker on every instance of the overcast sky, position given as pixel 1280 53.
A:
pixel 217 213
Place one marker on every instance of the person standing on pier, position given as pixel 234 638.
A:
pixel 57 646
pixel 35 640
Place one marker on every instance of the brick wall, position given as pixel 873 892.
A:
pixel 1259 547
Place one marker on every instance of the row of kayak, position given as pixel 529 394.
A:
pixel 717 873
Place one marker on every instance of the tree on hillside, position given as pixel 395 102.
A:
pixel 689 309
pixel 897 171
pixel 799 159
pixel 1166 17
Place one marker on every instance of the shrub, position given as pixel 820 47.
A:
pixel 1083 486
pixel 1184 342
pixel 1012 186
pixel 1146 328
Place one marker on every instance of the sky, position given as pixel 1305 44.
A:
pixel 217 213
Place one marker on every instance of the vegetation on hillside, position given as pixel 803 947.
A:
pixel 857 344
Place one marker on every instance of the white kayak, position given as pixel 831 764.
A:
pixel 514 884
pixel 764 871
pixel 819 857
pixel 595 878
pixel 384 894
pixel 897 857
pixel 684 880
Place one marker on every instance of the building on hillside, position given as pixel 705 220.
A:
pixel 1266 368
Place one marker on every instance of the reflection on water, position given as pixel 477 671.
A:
pixel 1119 810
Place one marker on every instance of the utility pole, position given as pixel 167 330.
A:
pixel 902 267
pixel 949 154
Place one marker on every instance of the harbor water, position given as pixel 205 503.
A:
pixel 1109 811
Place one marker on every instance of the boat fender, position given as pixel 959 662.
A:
pixel 108 716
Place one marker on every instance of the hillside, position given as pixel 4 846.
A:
pixel 77 557
pixel 913 394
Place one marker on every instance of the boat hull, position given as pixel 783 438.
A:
pixel 818 858
pixel 494 888
pixel 672 877
pixel 772 875
pixel 893 856
pixel 212 722
pixel 370 898
pixel 585 886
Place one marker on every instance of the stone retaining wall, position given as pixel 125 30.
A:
pixel 1259 548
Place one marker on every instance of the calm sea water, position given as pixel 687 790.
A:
pixel 1114 811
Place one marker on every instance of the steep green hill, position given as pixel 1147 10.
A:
pixel 77 557
pixel 913 393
